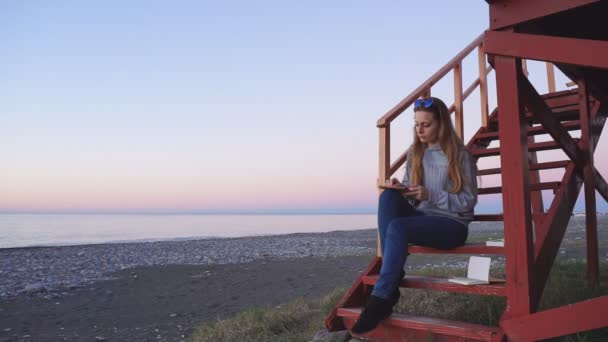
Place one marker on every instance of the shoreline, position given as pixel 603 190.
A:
pixel 178 239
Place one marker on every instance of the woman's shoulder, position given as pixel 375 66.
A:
pixel 466 157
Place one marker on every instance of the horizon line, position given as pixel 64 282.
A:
pixel 332 211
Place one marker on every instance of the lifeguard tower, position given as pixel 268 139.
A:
pixel 573 37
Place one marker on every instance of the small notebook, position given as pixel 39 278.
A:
pixel 478 272
pixel 496 243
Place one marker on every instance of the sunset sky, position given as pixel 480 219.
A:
pixel 210 106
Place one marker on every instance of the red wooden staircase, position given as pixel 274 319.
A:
pixel 519 30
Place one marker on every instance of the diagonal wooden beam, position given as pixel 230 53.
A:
pixel 355 296
pixel 576 51
pixel 565 320
pixel 543 113
pixel 586 145
pixel 598 120
pixel 600 185
pixel 551 232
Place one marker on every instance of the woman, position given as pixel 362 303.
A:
pixel 431 207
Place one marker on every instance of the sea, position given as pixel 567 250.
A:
pixel 29 230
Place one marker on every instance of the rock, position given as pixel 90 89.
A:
pixel 33 288
pixel 326 336
pixel 100 338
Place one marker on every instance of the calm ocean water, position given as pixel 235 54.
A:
pixel 21 230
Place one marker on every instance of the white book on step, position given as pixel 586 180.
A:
pixel 478 272
pixel 495 243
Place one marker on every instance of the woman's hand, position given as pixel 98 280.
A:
pixel 393 184
pixel 419 192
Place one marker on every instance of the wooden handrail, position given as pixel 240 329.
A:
pixel 426 86
pixel 387 169
pixel 471 88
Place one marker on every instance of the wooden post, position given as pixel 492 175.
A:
pixel 524 67
pixel 384 166
pixel 426 93
pixel 521 294
pixel 550 77
pixel 589 179
pixel 458 99
pixel 483 85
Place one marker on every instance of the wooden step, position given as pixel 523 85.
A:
pixel 532 167
pixel 567 113
pixel 533 147
pixel 488 217
pixel 467 248
pixel 564 103
pixel 416 281
pixel 536 130
pixel 387 330
pixel 533 187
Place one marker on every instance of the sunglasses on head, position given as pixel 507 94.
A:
pixel 426 103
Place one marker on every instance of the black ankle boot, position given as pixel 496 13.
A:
pixel 396 294
pixel 376 310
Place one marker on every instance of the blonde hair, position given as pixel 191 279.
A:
pixel 449 141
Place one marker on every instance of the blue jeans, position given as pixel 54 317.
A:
pixel 400 224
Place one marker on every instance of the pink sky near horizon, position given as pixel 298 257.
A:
pixel 226 107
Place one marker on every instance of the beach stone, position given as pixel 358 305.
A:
pixel 336 336
pixel 34 287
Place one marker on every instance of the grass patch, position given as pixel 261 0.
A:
pixel 295 321
pixel 300 319
pixel 566 285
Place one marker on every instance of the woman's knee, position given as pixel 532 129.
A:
pixel 389 196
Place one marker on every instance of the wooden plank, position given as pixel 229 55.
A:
pixel 541 146
pixel 416 281
pixel 543 113
pixel 398 163
pixel 532 187
pixel 488 217
pixel 384 157
pixel 589 185
pixel 551 232
pixel 538 166
pixel 458 101
pixel 516 197
pixel 600 185
pixel 511 12
pixel 483 85
pixel 461 330
pixel 565 320
pixel 355 296
pixel 550 77
pixel 582 52
pixel 384 160
pixel 426 93
pixel 469 248
pixel 535 130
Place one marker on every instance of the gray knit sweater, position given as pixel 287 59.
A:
pixel 458 206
